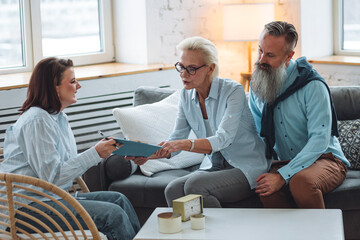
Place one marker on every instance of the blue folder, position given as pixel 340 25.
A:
pixel 135 149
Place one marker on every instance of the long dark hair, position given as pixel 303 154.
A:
pixel 46 75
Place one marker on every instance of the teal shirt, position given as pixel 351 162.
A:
pixel 302 125
pixel 231 122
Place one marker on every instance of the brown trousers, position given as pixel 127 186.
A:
pixel 307 187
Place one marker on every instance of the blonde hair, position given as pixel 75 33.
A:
pixel 206 47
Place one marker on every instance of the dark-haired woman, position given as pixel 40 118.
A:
pixel 41 144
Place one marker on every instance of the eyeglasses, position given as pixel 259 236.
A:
pixel 190 70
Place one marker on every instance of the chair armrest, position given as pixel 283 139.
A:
pixel 84 188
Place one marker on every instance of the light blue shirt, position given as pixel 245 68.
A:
pixel 231 122
pixel 302 125
pixel 42 145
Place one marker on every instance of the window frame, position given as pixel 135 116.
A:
pixel 32 38
pixel 338 33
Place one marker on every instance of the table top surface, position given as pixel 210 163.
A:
pixel 250 223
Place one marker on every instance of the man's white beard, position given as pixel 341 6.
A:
pixel 267 83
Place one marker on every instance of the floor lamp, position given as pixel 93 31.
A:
pixel 245 22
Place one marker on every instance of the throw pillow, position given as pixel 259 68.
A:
pixel 153 123
pixel 349 138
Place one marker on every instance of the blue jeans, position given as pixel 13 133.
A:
pixel 112 213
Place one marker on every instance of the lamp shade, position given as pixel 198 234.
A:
pixel 245 22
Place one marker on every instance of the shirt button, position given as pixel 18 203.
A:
pixel 291 149
pixel 279 108
pixel 302 166
pixel 289 175
pixel 281 122
pixel 285 135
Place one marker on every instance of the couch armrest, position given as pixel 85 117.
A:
pixel 115 167
pixel 95 178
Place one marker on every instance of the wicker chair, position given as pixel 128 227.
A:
pixel 79 184
pixel 11 201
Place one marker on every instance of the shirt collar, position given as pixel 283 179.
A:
pixel 291 66
pixel 56 116
pixel 291 74
pixel 213 90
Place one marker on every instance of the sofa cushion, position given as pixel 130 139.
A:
pixel 349 138
pixel 348 192
pixel 148 95
pixel 347 195
pixel 143 191
pixel 346 101
pixel 153 123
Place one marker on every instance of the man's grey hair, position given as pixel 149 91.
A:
pixel 206 47
pixel 279 28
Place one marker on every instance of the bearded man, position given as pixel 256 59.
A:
pixel 293 112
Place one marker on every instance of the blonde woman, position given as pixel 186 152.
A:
pixel 217 111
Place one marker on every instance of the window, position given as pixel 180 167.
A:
pixel 12 36
pixel 347 27
pixel 80 30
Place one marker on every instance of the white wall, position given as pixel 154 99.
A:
pixel 167 22
pixel 339 75
pixel 130 31
pixel 316 28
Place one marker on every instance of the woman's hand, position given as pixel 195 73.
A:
pixel 164 152
pixel 142 160
pixel 138 160
pixel 105 147
pixel 172 146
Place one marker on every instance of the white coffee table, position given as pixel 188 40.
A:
pixel 253 224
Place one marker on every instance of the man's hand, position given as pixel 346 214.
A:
pixel 269 183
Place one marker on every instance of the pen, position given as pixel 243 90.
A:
pixel 101 133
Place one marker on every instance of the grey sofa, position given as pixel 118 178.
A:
pixel 147 193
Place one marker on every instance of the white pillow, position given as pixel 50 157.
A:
pixel 153 123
